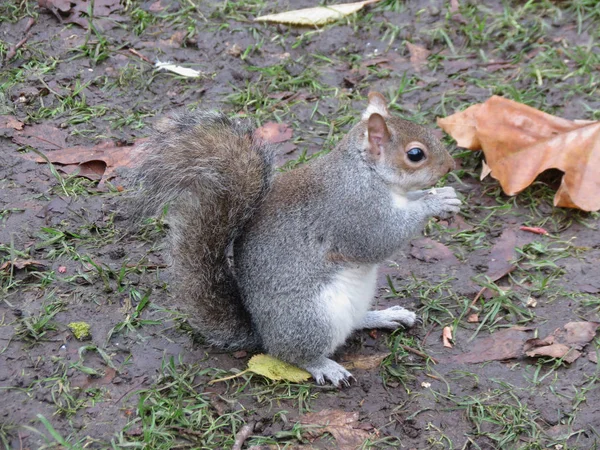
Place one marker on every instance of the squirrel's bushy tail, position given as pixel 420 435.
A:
pixel 213 174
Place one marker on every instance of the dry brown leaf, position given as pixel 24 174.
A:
pixel 566 342
pixel 61 5
pixel 363 362
pixel 473 318
pixel 502 254
pixel 274 132
pixel 569 354
pixel 90 160
pixel 485 171
pixel 520 142
pixel 41 137
pixel 10 122
pixel 447 337
pixel 77 11
pixel 580 333
pixel 21 264
pixel 503 344
pixel 342 425
pixel 418 56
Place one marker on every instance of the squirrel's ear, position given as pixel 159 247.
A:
pixel 378 134
pixel 377 104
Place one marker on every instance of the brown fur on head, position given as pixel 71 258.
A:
pixel 405 153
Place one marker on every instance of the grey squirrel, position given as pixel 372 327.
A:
pixel 305 244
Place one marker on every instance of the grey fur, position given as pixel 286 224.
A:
pixel 214 175
pixel 290 238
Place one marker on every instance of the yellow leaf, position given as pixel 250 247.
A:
pixel 275 369
pixel 319 15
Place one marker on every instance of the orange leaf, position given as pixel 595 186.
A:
pixel 520 142
pixel 274 132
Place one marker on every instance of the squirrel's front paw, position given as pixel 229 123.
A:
pixel 443 202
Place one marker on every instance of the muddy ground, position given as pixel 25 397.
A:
pixel 141 380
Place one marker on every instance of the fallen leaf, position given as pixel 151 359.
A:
pixel 568 354
pixel 93 170
pixel 275 369
pixel 580 333
pixel 319 15
pixel 274 132
pixel 21 264
pixel 41 137
pixel 101 11
pixel 363 362
pixel 502 254
pixel 502 345
pixel 536 230
pixel 157 6
pixel 98 162
pixel 428 250
pixel 473 318
pixel 485 171
pixel 10 122
pixel 447 337
pixel 61 5
pixel 533 343
pixel 343 426
pixel 418 56
pixel 566 342
pixel 520 142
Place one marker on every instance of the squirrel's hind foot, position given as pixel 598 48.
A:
pixel 324 369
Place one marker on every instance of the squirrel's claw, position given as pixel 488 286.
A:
pixel 324 369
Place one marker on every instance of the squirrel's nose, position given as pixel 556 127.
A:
pixel 450 164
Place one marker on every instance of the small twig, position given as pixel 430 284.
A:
pixel 428 333
pixel 417 352
pixel 13 50
pixel 139 55
pixel 479 294
pixel 242 435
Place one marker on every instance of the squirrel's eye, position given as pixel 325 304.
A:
pixel 415 154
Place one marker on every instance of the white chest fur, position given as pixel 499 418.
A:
pixel 348 298
pixel 398 200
